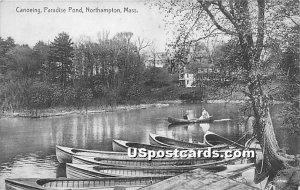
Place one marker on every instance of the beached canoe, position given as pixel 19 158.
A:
pixel 140 162
pixel 80 184
pixel 253 144
pixel 172 143
pixel 186 121
pixel 122 146
pixel 64 154
pixel 213 139
pixel 94 171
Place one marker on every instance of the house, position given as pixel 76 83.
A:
pixel 186 79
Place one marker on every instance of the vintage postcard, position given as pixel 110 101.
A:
pixel 127 94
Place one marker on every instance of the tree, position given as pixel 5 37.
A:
pixel 60 59
pixel 41 50
pixel 38 96
pixel 5 47
pixel 157 77
pixel 110 65
pixel 291 91
pixel 24 62
pixel 251 24
pixel 85 96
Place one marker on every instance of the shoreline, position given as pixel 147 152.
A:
pixel 63 111
pixel 56 112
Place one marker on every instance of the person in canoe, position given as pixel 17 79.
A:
pixel 186 116
pixel 204 115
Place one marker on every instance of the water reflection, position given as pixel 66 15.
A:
pixel 27 146
pixel 61 171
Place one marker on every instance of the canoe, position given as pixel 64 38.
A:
pixel 64 154
pixel 213 139
pixel 122 146
pixel 253 144
pixel 172 143
pixel 80 184
pixel 95 171
pixel 186 121
pixel 140 162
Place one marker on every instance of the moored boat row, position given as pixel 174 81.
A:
pixel 93 169
pixel 89 166
pixel 158 143
pixel 101 183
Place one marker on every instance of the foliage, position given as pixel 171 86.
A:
pixel 12 94
pixel 194 94
pixel 41 50
pixel 5 47
pixel 291 114
pixel 60 59
pixel 109 71
pixel 24 62
pixel 157 77
pixel 290 90
pixel 38 95
pixel 85 96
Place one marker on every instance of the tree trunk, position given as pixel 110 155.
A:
pixel 272 161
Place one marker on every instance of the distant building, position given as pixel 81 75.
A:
pixel 186 79
pixel 198 66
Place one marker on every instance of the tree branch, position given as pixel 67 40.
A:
pixel 141 44
pixel 227 14
pixel 293 20
pixel 213 19
pixel 208 35
pixel 191 28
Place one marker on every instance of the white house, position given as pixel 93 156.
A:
pixel 186 79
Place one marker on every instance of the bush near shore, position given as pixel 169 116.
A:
pixel 45 100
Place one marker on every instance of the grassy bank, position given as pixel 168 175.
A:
pixel 152 97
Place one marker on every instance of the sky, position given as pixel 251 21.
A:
pixel 27 27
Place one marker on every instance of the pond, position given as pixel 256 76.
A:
pixel 27 146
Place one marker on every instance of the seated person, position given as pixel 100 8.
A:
pixel 204 115
pixel 186 116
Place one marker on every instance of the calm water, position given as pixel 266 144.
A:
pixel 27 146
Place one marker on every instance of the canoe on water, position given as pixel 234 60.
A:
pixel 213 139
pixel 141 162
pixel 122 146
pixel 186 121
pixel 64 154
pixel 169 142
pixel 81 184
pixel 95 171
